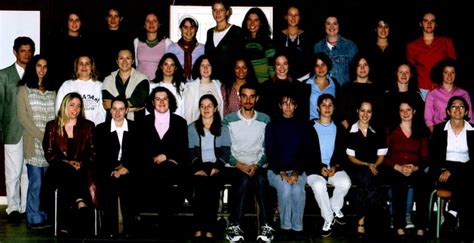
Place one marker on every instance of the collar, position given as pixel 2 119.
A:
pixel 114 128
pixel 467 126
pixel 355 128
pixel 20 70
pixel 245 119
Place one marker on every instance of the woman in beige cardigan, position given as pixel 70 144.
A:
pixel 35 106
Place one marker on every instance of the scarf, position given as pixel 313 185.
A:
pixel 188 47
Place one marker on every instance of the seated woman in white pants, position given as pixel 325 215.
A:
pixel 329 171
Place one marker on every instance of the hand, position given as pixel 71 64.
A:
pixel 293 178
pixel 214 171
pixel 252 169
pixel 332 171
pixel 200 173
pixel 158 159
pixel 444 176
pixel 373 169
pixel 73 163
pixel 324 171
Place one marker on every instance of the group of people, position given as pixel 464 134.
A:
pixel 183 118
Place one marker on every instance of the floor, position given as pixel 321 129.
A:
pixel 181 231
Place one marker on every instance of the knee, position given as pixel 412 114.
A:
pixel 319 186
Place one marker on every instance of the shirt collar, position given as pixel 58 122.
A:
pixel 114 128
pixel 20 70
pixel 355 128
pixel 467 126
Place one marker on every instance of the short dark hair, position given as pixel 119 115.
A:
pixel 326 96
pixel 248 86
pixel 450 103
pixel 23 40
pixel 171 99
pixel 323 57
pixel 120 98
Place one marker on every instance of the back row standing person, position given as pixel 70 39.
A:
pixel 187 49
pixel 16 178
pixel 428 50
pixel 341 50
pixel 258 44
pixel 295 43
pixel 150 46
pixel 66 47
pixel 224 42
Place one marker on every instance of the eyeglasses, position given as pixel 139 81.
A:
pixel 460 107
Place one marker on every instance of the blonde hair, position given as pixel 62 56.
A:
pixel 62 117
pixel 94 74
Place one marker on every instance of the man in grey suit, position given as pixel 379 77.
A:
pixel 16 178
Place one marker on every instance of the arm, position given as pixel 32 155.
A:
pixel 22 112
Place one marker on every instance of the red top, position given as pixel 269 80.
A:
pixel 424 57
pixel 405 150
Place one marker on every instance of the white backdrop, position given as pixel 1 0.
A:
pixel 203 14
pixel 14 24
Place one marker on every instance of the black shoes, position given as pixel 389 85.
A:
pixel 15 217
pixel 450 223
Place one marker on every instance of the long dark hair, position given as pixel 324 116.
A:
pixel 30 78
pixel 418 127
pixel 142 34
pixel 263 31
pixel 178 75
pixel 249 79
pixel 216 119
pixel 412 81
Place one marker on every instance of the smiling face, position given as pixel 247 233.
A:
pixel 168 67
pixel 188 31
pixel 281 67
pixel 326 108
pixel 23 55
pixel 362 68
pixel 207 109
pixel 73 109
pixel 406 112
pixel 403 74
pixel 457 110
pixel 219 13
pixel 241 69
pixel 253 24
pixel 118 111
pixel 161 102
pixel 84 68
pixel 293 17
pixel 151 23
pixel 449 75
pixel 332 26
pixel 113 19
pixel 41 68
pixel 365 112
pixel 320 68
pixel 125 60
pixel 205 69
pixel 73 24
pixel 383 30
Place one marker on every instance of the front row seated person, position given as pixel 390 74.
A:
pixel 209 149
pixel 329 170
pixel 164 144
pixel 116 145
pixel 69 149
pixel 247 134
pixel 289 146
pixel 452 147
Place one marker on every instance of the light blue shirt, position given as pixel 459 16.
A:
pixel 316 92
pixel 327 140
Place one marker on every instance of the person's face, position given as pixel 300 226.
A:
pixel 363 68
pixel 449 75
pixel 73 108
pixel 168 67
pixel 248 98
pixel 332 26
pixel 207 109
pixel 151 23
pixel 241 69
pixel 428 23
pixel 188 31
pixel 125 60
pixel 288 107
pixel 383 30
pixel 293 17
pixel 326 108
pixel 406 112
pixel 365 112
pixel 205 68
pixel 113 19
pixel 73 23
pixel 23 55
pixel 403 74
pixel 457 110
pixel 161 102
pixel 84 68
pixel 320 68
pixel 41 68
pixel 118 111
pixel 253 24
pixel 219 13
pixel 281 67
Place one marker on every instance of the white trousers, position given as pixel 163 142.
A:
pixel 341 182
pixel 16 177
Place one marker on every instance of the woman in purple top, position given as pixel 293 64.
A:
pixel 443 74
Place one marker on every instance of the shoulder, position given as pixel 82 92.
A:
pixel 262 117
pixel 231 117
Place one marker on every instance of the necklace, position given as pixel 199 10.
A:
pixel 220 30
pixel 151 43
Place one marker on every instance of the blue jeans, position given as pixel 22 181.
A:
pixel 291 200
pixel 35 177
